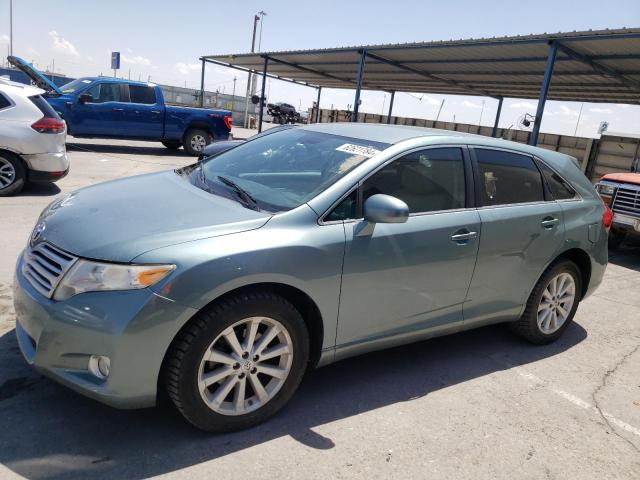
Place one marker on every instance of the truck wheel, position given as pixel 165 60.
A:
pixel 615 239
pixel 13 175
pixel 195 140
pixel 237 362
pixel 172 144
pixel 551 305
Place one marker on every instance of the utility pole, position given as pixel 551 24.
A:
pixel 575 132
pixel 256 18
pixel 233 95
pixel 440 109
pixel 481 112
pixel 10 27
pixel 262 14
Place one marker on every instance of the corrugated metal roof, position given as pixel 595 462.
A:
pixel 605 66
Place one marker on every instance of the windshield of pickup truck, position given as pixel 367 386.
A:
pixel 281 171
pixel 72 87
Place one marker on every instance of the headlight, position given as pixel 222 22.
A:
pixel 605 189
pixel 88 276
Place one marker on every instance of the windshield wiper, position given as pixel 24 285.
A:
pixel 241 192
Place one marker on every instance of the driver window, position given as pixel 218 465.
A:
pixel 105 92
pixel 427 181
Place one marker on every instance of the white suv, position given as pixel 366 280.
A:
pixel 32 138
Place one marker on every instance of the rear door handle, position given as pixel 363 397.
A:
pixel 118 109
pixel 549 222
pixel 462 237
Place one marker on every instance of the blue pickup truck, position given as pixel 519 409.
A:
pixel 105 107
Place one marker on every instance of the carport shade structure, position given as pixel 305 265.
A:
pixel 590 66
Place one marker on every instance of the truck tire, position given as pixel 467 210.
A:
pixel 195 140
pixel 616 238
pixel 13 175
pixel 172 144
pixel 215 372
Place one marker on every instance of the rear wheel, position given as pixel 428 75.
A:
pixel 552 304
pixel 13 175
pixel 616 238
pixel 238 362
pixel 172 144
pixel 195 140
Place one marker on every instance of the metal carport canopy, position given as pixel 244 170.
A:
pixel 589 66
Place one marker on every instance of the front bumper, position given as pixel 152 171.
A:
pixel 626 223
pixel 133 328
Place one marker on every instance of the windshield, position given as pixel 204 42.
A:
pixel 72 87
pixel 283 170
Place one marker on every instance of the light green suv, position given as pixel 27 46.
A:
pixel 222 282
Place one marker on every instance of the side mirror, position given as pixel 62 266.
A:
pixel 385 209
pixel 85 98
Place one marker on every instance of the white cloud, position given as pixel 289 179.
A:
pixel 4 39
pixel 33 52
pixel 468 104
pixel 186 68
pixel 600 110
pixel 63 45
pixel 523 105
pixel 564 110
pixel 136 60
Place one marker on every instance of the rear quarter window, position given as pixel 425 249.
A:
pixel 46 109
pixel 560 189
pixel 4 102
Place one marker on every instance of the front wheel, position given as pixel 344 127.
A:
pixel 551 305
pixel 237 362
pixel 195 140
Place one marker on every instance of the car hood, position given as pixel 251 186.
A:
pixel 38 78
pixel 623 177
pixel 119 220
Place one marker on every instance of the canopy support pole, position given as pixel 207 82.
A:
pixel 356 102
pixel 393 95
pixel 318 105
pixel 202 86
pixel 544 92
pixel 494 132
pixel 264 85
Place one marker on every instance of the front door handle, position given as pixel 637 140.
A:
pixel 155 112
pixel 549 222
pixel 118 109
pixel 462 237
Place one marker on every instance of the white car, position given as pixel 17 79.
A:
pixel 32 138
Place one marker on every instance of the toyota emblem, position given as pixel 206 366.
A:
pixel 37 231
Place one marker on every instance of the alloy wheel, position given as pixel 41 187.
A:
pixel 198 142
pixel 7 173
pixel 556 303
pixel 245 366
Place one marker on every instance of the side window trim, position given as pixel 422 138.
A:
pixel 478 180
pixel 470 201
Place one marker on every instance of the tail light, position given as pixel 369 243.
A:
pixel 49 125
pixel 228 121
pixel 607 218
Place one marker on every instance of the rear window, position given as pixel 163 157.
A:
pixel 142 94
pixel 507 178
pixel 46 109
pixel 4 102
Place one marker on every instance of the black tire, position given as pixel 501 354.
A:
pixel 181 366
pixel 172 144
pixel 17 179
pixel 190 136
pixel 616 238
pixel 527 326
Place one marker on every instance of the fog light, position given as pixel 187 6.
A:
pixel 99 365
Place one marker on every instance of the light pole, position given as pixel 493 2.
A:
pixel 262 14
pixel 10 27
pixel 249 76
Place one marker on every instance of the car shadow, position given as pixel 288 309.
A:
pixel 152 149
pixel 38 189
pixel 627 255
pixel 52 433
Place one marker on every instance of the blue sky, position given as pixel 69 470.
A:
pixel 163 40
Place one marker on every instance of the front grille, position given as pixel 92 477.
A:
pixel 44 266
pixel 627 201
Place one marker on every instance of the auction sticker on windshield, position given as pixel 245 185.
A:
pixel 358 149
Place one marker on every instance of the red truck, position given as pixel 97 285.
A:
pixel 621 192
